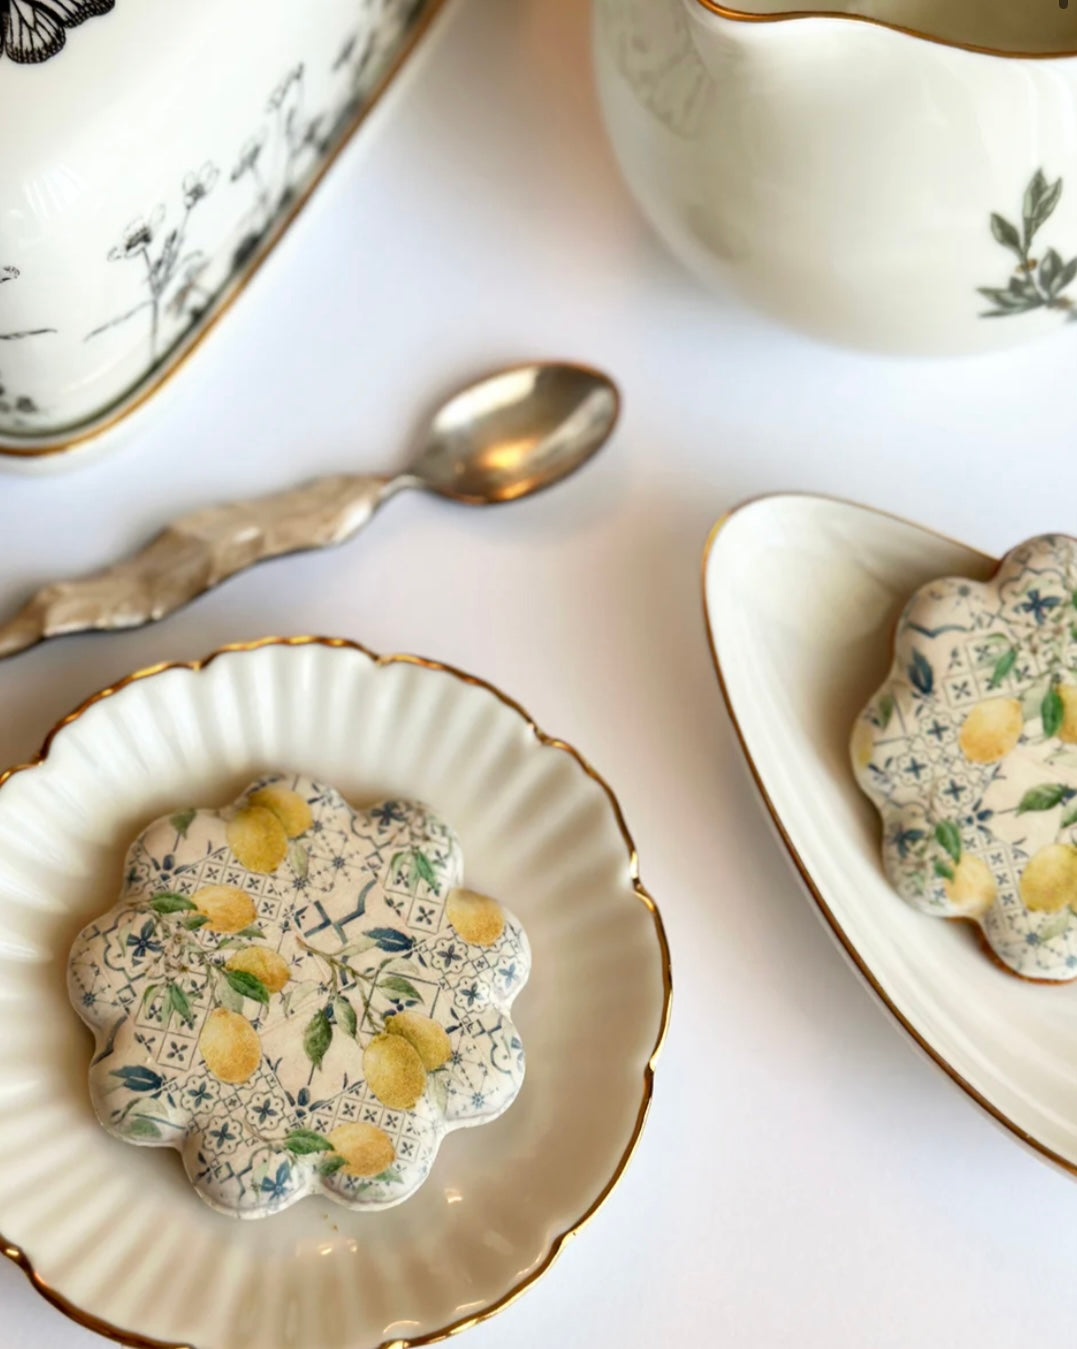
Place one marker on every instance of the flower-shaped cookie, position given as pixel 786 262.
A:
pixel 298 996
pixel 969 751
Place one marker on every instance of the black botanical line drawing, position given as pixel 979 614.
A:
pixel 360 56
pixel 175 282
pixel 32 31
pixel 172 275
pixel 272 157
pixel 21 404
pixel 1035 283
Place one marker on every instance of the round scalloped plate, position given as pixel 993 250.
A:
pixel 115 1235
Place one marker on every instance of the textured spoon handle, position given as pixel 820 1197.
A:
pixel 195 554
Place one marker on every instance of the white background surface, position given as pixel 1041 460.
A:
pixel 806 1178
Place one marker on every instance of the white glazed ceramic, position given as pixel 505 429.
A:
pixel 802 594
pixel 116 1233
pixel 862 172
pixel 128 222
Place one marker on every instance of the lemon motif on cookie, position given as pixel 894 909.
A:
pixel 258 839
pixel 429 1039
pixel 269 967
pixel 1049 881
pixel 230 1046
pixel 477 918
pixel 394 1071
pixel 289 807
pixel 972 889
pixel 366 1149
pixel 226 908
pixel 991 730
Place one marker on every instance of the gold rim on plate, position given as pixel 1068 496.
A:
pixel 743 16
pixel 132 1338
pixel 847 945
pixel 35 447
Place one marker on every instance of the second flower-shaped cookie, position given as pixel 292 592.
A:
pixel 969 751
pixel 299 997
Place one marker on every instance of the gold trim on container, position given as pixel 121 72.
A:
pixel 132 1338
pixel 847 945
pixel 45 445
pixel 742 16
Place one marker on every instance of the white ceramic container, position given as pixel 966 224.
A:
pixel 160 151
pixel 893 175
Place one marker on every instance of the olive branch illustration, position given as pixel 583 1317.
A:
pixel 1036 283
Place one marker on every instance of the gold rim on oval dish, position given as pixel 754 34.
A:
pixel 742 16
pixel 846 943
pixel 35 447
pixel 137 1341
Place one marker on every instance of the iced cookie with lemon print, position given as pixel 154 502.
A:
pixel 301 997
pixel 969 752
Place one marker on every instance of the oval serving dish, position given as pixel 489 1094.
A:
pixel 129 223
pixel 115 1236
pixel 802 595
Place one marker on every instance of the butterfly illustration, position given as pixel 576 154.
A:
pixel 34 30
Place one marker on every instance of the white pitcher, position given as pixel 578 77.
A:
pixel 892 174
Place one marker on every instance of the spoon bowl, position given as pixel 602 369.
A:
pixel 517 432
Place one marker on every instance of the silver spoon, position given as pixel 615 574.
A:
pixel 506 436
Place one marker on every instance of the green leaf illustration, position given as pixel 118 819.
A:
pixel 180 1004
pixel 1069 818
pixel 396 983
pixel 948 836
pixel 196 921
pixel 921 675
pixel 438 1083
pixel 1055 925
pixel 304 1142
pixel 138 1126
pixel 299 860
pixel 1003 666
pixel 149 995
pixel 1051 269
pixel 1052 711
pixel 944 870
pixel 169 902
pixel 332 1164
pixel 254 933
pixel 1005 233
pixel 1048 796
pixel 182 821
pixel 247 985
pixel 136 1077
pixel 426 870
pixel 345 1016
pixel 1041 198
pixel 227 995
pixel 1007 302
pixel 317 1037
pixel 357 947
pixel 886 710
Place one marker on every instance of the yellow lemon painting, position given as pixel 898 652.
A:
pixel 301 997
pixel 968 750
